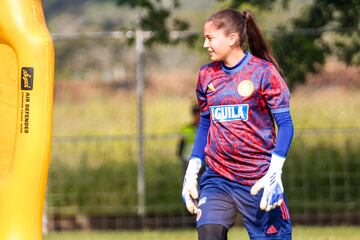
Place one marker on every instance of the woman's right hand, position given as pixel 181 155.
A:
pixel 190 186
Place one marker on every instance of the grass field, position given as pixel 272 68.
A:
pixel 97 175
pixel 106 114
pixel 95 166
pixel 299 233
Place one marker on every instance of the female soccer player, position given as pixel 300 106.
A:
pixel 240 95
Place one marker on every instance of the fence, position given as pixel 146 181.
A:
pixel 94 178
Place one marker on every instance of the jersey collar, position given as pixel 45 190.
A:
pixel 238 66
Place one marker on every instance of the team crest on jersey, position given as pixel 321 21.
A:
pixel 211 87
pixel 245 88
pixel 229 112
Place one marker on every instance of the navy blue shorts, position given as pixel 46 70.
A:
pixel 220 200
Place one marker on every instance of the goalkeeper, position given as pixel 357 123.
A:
pixel 241 96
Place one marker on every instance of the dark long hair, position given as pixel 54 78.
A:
pixel 243 23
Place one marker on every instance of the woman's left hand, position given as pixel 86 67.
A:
pixel 272 184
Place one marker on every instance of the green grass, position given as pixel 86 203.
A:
pixel 331 107
pixel 326 162
pixel 299 233
pixel 319 178
pixel 110 113
pixel 106 170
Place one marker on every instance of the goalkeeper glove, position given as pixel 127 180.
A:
pixel 190 192
pixel 271 182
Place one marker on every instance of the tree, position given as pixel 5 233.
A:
pixel 300 46
pixel 264 4
pixel 155 17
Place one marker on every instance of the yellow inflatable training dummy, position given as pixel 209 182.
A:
pixel 26 102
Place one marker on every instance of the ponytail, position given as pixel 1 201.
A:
pixel 256 41
pixel 230 21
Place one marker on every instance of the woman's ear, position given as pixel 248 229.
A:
pixel 233 39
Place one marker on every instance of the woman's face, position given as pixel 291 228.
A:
pixel 217 43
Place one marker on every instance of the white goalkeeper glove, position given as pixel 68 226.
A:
pixel 271 182
pixel 190 192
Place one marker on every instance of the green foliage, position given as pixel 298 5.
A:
pixel 298 54
pixel 344 15
pixel 304 49
pixel 85 189
pixel 320 176
pixel 301 46
pixel 157 18
pixel 109 188
pixel 325 28
pixel 266 4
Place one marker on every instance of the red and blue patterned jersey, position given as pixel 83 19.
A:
pixel 240 102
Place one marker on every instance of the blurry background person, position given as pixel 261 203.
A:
pixel 187 139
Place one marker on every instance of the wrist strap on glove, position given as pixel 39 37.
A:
pixel 193 167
